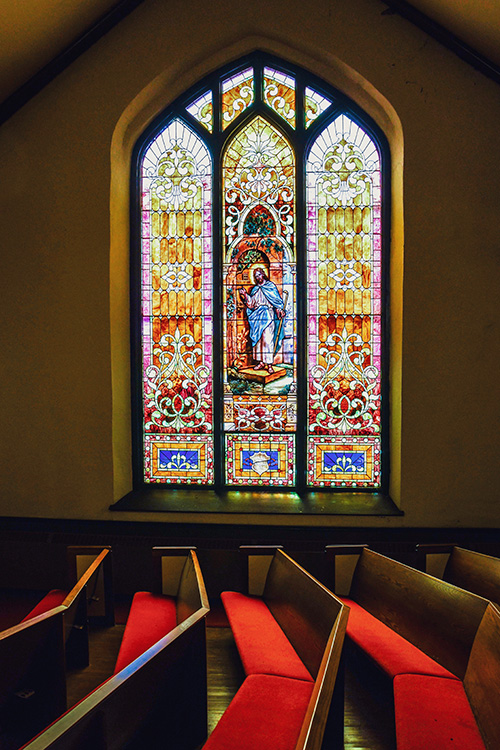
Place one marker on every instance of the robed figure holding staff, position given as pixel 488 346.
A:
pixel 265 312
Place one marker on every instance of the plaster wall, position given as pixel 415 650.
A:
pixel 64 190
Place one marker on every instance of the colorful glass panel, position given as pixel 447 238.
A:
pixel 259 294
pixel 202 110
pixel 176 301
pixel 315 105
pixel 237 95
pixel 344 307
pixel 279 94
pixel 260 459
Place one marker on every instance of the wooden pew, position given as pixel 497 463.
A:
pixel 469 570
pixel 289 632
pixel 160 697
pixel 35 654
pixel 420 632
pixel 90 598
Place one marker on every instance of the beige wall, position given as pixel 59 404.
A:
pixel 64 162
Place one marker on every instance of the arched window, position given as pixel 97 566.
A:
pixel 259 293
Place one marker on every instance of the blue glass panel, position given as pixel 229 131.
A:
pixel 179 460
pixel 343 463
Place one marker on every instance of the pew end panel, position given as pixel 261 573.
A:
pixel 482 678
pixel 177 573
pixel 96 566
pixel 433 558
pixel 304 608
pixel 324 722
pixel 259 558
pixel 153 701
pixel 93 566
pixel 341 561
pixel 32 677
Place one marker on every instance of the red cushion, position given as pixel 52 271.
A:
pixel 151 617
pixel 265 714
pixel 53 599
pixel 393 653
pixel 262 644
pixel 433 713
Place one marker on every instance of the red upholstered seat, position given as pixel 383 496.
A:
pixel 151 617
pixel 433 713
pixel 262 644
pixel 53 599
pixel 265 714
pixel 393 653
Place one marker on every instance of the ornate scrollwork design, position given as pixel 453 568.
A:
pixel 260 175
pixel 344 173
pixel 177 388
pixel 177 176
pixel 345 390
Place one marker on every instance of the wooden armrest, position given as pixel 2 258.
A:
pixel 344 549
pixel 166 577
pixel 259 559
pixel 97 574
pixel 259 549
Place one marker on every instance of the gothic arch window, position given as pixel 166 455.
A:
pixel 259 297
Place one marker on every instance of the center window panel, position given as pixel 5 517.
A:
pixel 259 303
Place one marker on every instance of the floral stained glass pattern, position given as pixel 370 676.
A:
pixel 176 302
pixel 344 307
pixel 237 95
pixel 279 94
pixel 202 110
pixel 259 369
pixel 315 105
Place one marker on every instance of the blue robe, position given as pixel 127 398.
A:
pixel 260 317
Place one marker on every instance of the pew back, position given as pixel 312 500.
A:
pixel 304 609
pixel 437 617
pixel 482 678
pixel 472 571
pixel 160 698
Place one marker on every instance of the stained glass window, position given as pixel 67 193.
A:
pixel 261 303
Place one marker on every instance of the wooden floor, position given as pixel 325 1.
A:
pixel 368 720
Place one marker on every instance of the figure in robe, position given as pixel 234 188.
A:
pixel 265 313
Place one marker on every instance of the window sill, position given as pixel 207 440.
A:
pixel 236 501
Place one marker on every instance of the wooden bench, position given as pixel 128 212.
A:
pixel 289 632
pixel 159 697
pixel 35 654
pixel 421 633
pixel 469 570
